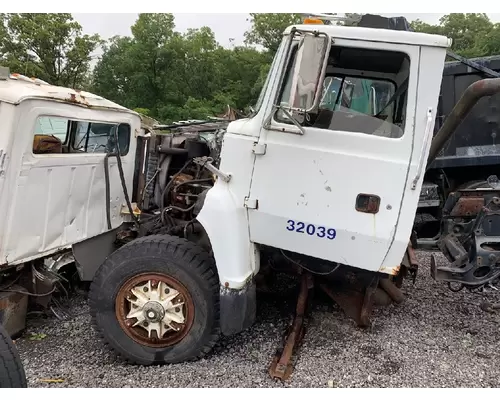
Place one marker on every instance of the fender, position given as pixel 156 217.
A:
pixel 237 258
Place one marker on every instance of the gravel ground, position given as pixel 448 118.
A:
pixel 436 338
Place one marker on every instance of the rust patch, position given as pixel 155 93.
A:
pixel 281 367
pixel 138 334
pixel 356 301
pixel 77 99
pixel 395 294
pixel 13 308
pixel 467 206
pixel 390 270
pixel 412 258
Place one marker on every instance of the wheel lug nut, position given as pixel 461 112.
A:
pixel 167 291
pixel 145 324
pixel 145 289
pixel 177 309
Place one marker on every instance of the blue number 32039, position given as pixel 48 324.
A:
pixel 310 229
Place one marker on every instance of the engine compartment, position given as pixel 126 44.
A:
pixel 173 180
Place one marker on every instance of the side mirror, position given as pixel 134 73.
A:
pixel 308 70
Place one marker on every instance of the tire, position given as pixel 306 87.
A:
pixel 176 260
pixel 12 374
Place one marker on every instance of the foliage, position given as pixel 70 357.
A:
pixel 267 29
pixel 177 76
pixel 169 75
pixel 473 35
pixel 48 46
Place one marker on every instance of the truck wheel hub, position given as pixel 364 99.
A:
pixel 157 311
pixel 153 312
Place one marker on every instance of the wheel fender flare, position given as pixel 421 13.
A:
pixel 236 257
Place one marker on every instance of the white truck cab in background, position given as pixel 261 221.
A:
pixel 53 144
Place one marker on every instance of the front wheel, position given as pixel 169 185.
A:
pixel 156 301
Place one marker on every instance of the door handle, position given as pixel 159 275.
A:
pixel 367 203
pixel 425 143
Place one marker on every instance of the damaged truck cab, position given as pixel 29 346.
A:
pixel 322 180
pixel 53 145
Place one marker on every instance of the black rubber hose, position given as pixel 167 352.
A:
pixel 172 150
pixel 108 196
pixel 122 179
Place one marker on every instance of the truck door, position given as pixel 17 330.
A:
pixel 58 190
pixel 333 189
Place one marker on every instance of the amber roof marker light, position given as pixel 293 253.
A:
pixel 322 19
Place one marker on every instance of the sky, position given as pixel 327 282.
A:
pixel 228 28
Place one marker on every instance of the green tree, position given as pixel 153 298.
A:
pixel 491 41
pixel 473 34
pixel 353 19
pixel 51 47
pixel 113 74
pixel 136 71
pixel 267 29
pixel 177 76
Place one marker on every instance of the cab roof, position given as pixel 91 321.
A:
pixel 377 35
pixel 15 88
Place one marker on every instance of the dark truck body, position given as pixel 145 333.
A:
pixel 469 157
pixel 476 141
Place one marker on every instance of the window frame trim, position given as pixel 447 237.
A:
pixel 274 125
pixel 68 134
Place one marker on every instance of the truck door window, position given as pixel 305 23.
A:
pixel 51 133
pixel 53 126
pixel 360 93
pixel 92 137
pixel 55 135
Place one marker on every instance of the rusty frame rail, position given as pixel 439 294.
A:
pixel 281 366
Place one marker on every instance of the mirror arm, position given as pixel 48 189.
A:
pixel 267 121
pixel 300 127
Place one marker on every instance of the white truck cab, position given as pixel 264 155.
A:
pixel 341 185
pixel 53 143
